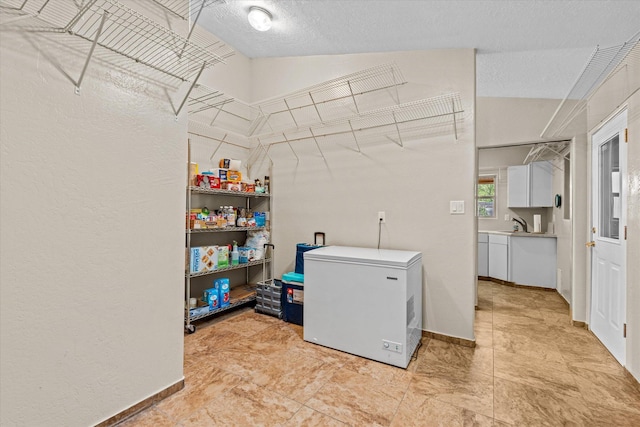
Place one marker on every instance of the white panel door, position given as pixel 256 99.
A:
pixel 608 256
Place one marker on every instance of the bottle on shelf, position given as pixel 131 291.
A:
pixel 235 254
pixel 266 184
pixel 231 217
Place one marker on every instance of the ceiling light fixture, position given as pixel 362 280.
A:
pixel 259 18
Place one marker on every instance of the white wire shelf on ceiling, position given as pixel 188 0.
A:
pixel 338 98
pixel 418 119
pixel 603 63
pixel 214 108
pixel 547 151
pixel 116 29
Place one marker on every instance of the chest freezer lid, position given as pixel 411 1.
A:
pixel 382 257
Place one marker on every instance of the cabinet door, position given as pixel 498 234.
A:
pixel 541 184
pixel 518 186
pixel 483 259
pixel 498 254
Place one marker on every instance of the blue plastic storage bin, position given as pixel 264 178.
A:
pixel 292 302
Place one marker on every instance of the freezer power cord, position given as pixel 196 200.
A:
pixel 379 231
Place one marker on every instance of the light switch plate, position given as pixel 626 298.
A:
pixel 506 217
pixel 456 207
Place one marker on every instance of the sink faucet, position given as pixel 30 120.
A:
pixel 522 222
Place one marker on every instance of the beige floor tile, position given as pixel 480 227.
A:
pixel 245 405
pixel 609 391
pixel 392 379
pixel 440 355
pixel 250 323
pixel 530 366
pixel 307 417
pixel 554 376
pixel 293 375
pixel 416 410
pixel 149 418
pixel 198 391
pixel 596 359
pixel 527 346
pixel 469 390
pixel 606 417
pixel 484 337
pixel 357 398
pixel 483 317
pixel 524 405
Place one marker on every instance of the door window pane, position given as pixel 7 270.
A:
pixel 609 181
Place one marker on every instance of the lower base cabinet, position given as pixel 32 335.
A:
pixel 498 257
pixel 524 260
pixel 532 261
pixel 483 255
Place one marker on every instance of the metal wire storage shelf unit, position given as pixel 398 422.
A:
pixel 233 267
pixel 222 230
pixel 116 28
pixel 603 63
pixel 216 191
pixel 233 304
pixel 330 100
pixel 393 123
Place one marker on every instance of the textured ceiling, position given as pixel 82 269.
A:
pixel 528 49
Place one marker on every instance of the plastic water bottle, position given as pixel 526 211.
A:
pixel 235 255
pixel 231 217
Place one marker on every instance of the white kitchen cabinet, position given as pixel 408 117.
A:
pixel 483 255
pixel 518 186
pixel 530 186
pixel 532 261
pixel 499 257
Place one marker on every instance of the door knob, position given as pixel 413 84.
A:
pixel 590 244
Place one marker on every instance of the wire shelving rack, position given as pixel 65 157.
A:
pixel 116 29
pixel 603 63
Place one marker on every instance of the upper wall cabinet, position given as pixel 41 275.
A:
pixel 530 186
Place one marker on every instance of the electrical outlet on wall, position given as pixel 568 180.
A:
pixel 381 217
pixel 506 217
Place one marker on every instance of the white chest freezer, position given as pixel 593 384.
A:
pixel 366 302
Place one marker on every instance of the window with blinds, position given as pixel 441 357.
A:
pixel 487 196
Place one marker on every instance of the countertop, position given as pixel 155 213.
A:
pixel 518 233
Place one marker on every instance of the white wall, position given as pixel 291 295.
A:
pixel 562 230
pixel 92 235
pixel 412 185
pixel 504 121
pixel 580 200
pixel 633 244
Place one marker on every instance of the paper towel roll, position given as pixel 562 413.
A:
pixel 537 223
pixel 235 165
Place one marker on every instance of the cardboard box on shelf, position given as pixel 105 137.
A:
pixel 203 258
pixel 196 224
pixel 234 176
pixel 220 173
pixel 207 181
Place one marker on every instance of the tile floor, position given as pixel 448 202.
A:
pixel 530 367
